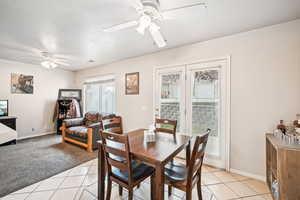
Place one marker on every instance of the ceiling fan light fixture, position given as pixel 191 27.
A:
pixel 49 64
pixel 144 23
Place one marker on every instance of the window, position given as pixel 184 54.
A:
pixel 100 94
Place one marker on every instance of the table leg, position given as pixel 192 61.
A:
pixel 101 174
pixel 159 182
pixel 188 154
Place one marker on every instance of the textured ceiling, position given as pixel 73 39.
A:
pixel 73 28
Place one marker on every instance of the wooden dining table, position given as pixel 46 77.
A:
pixel 156 154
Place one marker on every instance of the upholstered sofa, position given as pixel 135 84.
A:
pixel 84 131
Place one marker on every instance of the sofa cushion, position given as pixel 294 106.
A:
pixel 79 131
pixel 73 122
pixel 91 118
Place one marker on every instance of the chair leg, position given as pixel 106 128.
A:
pixel 188 194
pixel 169 190
pixel 199 188
pixel 108 194
pixel 130 195
pixel 152 182
pixel 120 190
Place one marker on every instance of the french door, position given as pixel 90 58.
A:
pixel 196 96
pixel 170 95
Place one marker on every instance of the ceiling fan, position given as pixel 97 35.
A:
pixel 150 13
pixel 50 61
pixel 37 56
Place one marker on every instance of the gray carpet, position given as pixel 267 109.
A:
pixel 33 160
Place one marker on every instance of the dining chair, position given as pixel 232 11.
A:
pixel 120 167
pixel 185 177
pixel 166 126
pixel 113 125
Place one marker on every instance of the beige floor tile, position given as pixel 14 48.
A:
pixel 178 193
pixel 79 193
pixel 79 171
pixel 72 181
pixel 225 176
pixel 62 174
pixel 210 169
pixel 206 194
pixel 28 188
pixel 65 194
pixel 93 189
pixel 241 189
pixel 50 184
pixel 258 186
pixel 222 192
pixel 240 177
pixel 172 197
pixel 95 162
pixel 93 170
pixel 16 196
pixel 210 178
pixel 43 195
pixel 267 197
pixel 143 192
pixel 254 198
pixel 85 195
pixel 115 194
pixel 90 179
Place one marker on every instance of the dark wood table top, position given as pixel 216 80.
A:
pixel 160 151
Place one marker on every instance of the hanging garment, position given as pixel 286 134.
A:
pixel 56 111
pixel 74 109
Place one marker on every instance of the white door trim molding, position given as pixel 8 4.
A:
pixel 227 59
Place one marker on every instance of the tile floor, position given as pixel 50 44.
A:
pixel 79 183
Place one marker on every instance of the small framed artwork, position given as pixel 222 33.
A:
pixel 21 84
pixel 132 83
pixel 68 94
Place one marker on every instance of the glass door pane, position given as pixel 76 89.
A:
pixel 92 100
pixel 206 106
pixel 108 97
pixel 170 96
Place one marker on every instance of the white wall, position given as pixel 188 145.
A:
pixel 265 82
pixel 33 111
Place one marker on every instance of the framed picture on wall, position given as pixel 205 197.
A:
pixel 132 85
pixel 67 94
pixel 21 84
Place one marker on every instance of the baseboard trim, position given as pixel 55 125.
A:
pixel 247 174
pixel 37 135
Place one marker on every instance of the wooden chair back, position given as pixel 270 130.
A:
pixel 166 126
pixel 113 125
pixel 117 153
pixel 197 156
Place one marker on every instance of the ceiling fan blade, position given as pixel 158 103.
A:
pixel 61 63
pixel 21 49
pixel 157 36
pixel 121 26
pixel 167 13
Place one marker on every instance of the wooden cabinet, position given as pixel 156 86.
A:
pixel 9 121
pixel 283 167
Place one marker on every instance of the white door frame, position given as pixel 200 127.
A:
pixel 227 109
